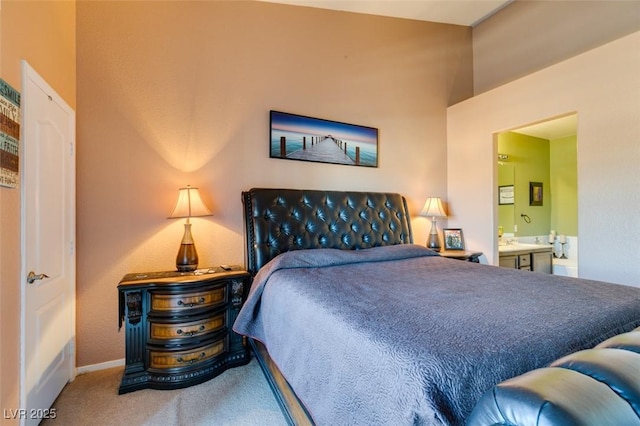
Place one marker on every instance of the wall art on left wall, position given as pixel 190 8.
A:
pixel 297 137
pixel 9 135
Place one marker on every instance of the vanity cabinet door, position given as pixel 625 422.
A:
pixel 510 261
pixel 542 262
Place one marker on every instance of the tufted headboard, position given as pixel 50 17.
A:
pixel 279 220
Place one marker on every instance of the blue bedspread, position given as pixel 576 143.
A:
pixel 398 335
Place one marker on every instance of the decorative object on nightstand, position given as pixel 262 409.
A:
pixel 189 205
pixel 453 239
pixel 178 326
pixel 433 208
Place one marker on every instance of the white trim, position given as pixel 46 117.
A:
pixel 101 366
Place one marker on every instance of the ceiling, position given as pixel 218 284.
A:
pixel 458 12
pixel 552 129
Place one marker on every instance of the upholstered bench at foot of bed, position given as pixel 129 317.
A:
pixel 594 387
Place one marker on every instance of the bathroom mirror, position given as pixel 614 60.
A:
pixel 506 196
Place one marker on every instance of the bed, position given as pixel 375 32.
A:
pixel 353 323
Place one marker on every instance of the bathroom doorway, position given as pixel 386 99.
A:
pixel 537 185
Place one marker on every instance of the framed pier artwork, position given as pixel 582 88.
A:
pixel 297 137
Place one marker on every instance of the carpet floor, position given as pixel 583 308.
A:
pixel 239 396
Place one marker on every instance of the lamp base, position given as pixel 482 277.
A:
pixel 187 258
pixel 433 242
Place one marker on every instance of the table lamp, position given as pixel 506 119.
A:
pixel 189 205
pixel 433 208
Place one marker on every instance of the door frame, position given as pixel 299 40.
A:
pixel 29 73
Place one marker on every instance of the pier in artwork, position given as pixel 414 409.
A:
pixel 326 149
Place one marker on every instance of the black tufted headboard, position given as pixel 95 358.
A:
pixel 279 220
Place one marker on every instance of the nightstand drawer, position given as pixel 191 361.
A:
pixel 183 301
pixel 165 360
pixel 183 330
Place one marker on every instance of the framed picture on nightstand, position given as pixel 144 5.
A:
pixel 453 239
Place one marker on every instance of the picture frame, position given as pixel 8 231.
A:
pixel 535 193
pixel 9 136
pixel 505 194
pixel 298 137
pixel 453 239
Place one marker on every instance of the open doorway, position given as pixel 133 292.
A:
pixel 540 161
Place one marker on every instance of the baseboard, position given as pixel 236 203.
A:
pixel 102 366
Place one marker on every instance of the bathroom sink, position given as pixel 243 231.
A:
pixel 507 248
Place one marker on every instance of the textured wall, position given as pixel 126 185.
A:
pixel 175 93
pixel 43 33
pixel 530 35
pixel 601 86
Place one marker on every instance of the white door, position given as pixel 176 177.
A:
pixel 48 253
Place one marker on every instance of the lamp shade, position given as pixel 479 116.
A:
pixel 433 208
pixel 189 204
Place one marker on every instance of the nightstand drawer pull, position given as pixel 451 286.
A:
pixel 192 332
pixel 192 304
pixel 192 360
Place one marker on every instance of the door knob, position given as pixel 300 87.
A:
pixel 33 277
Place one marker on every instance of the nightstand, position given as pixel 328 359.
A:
pixel 470 256
pixel 178 326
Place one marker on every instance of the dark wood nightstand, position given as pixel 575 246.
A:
pixel 178 326
pixel 470 256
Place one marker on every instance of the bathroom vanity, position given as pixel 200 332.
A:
pixel 529 257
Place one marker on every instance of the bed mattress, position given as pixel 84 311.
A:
pixel 399 335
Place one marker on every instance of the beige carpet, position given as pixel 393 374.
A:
pixel 239 396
